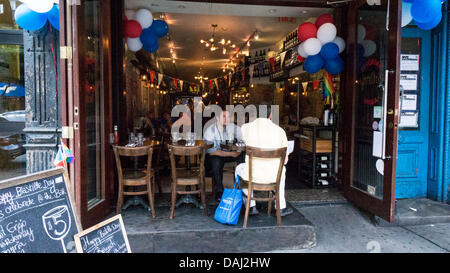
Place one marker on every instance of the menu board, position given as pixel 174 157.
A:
pixel 106 237
pixel 409 84
pixel 37 214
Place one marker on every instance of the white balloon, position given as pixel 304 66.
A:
pixel 312 46
pixel 134 44
pixel 326 33
pixel 369 47
pixel 144 17
pixel 406 13
pixel 40 6
pixel 361 33
pixel 301 51
pixel 130 14
pixel 340 43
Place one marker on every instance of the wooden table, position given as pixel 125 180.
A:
pixel 189 199
pixel 232 147
pixel 137 200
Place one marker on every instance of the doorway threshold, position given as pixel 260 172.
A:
pixel 422 211
pixel 315 196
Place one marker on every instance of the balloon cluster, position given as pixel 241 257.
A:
pixel 426 13
pixel 33 14
pixel 142 31
pixel 320 47
pixel 366 45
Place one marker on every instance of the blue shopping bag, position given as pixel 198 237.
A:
pixel 230 205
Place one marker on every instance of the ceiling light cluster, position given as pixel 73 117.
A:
pixel 214 44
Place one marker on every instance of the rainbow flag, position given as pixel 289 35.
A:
pixel 328 88
pixel 68 155
pixel 59 160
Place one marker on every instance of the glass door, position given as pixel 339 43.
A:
pixel 371 106
pixel 92 110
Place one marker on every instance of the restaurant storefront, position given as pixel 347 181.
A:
pixel 392 106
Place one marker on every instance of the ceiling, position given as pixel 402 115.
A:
pixel 189 22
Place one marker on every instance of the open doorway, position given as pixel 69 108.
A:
pixel 234 54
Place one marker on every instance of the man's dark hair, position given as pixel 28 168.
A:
pixel 260 110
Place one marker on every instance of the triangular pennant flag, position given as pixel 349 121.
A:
pixel 282 55
pixel 217 83
pixel 250 72
pixel 181 85
pixel 315 85
pixel 152 76
pixel 160 78
pixel 59 160
pixel 210 84
pixel 67 153
pixel 175 82
pixel 305 85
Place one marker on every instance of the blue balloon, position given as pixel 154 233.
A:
pixel 408 1
pixel 432 24
pixel 151 48
pixel 53 16
pixel 360 51
pixel 334 66
pixel 160 28
pixel 313 64
pixel 329 51
pixel 423 11
pixel 28 19
pixel 148 38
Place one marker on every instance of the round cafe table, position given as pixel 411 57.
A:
pixel 187 198
pixel 137 200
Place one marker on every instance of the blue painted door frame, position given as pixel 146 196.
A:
pixel 432 179
pixel 411 178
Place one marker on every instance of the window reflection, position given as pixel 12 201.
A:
pixel 12 94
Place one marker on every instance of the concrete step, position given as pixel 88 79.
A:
pixel 413 212
pixel 192 232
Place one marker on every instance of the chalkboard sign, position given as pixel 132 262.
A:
pixel 106 237
pixel 37 215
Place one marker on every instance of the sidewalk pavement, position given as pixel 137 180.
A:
pixel 342 228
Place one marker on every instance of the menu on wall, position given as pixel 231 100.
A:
pixel 37 215
pixel 106 237
pixel 409 97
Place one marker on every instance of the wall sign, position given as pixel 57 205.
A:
pixel 106 237
pixel 374 2
pixel 37 214
pixel 409 62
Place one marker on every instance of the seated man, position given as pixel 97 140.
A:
pixel 216 157
pixel 263 133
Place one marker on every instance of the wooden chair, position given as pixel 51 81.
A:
pixel 135 178
pixel 193 177
pixel 253 153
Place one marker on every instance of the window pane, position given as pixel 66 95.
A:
pixel 12 96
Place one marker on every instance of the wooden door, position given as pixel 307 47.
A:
pixel 370 106
pixel 412 161
pixel 92 110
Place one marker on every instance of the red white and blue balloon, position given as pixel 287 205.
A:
pixel 321 46
pixel 32 15
pixel 142 31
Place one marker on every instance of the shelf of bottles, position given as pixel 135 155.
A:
pixel 256 58
pixel 316 167
pixel 239 96
pixel 291 41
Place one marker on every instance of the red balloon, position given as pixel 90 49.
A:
pixel 132 29
pixel 300 58
pixel 371 32
pixel 306 31
pixel 324 18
